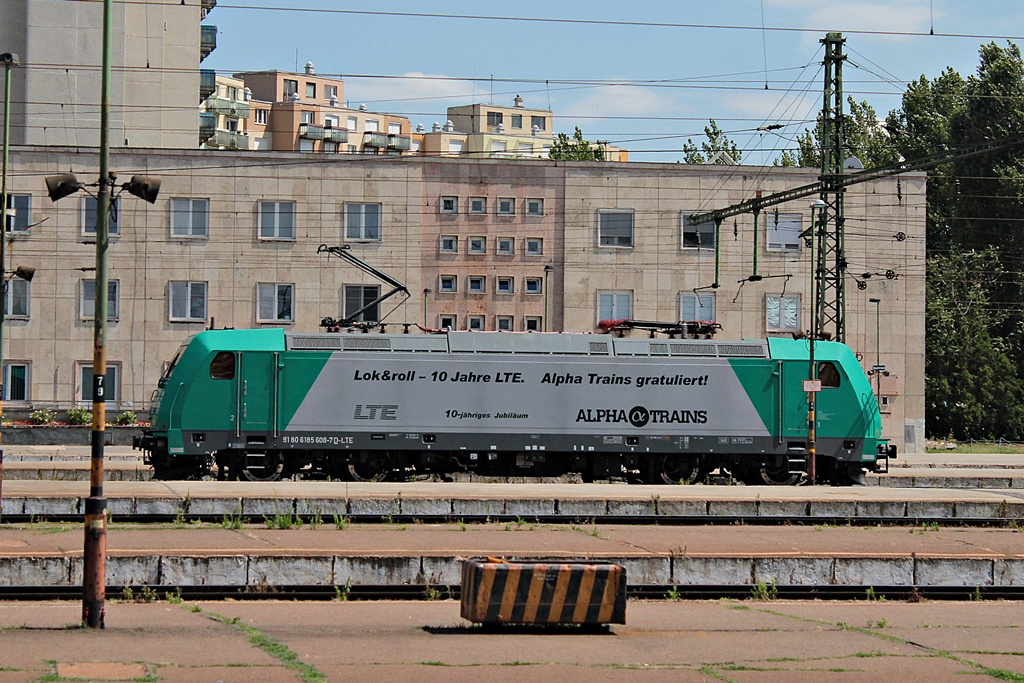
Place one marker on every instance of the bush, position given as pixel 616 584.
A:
pixel 42 417
pixel 79 416
pixel 128 417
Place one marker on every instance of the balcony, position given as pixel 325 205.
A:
pixel 339 135
pixel 207 83
pixel 206 6
pixel 310 131
pixel 207 40
pixel 375 140
pixel 232 108
pixel 231 140
pixel 207 126
pixel 400 142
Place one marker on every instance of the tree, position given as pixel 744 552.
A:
pixel 575 149
pixel 865 138
pixel 710 150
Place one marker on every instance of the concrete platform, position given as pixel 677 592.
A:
pixel 428 641
pixel 259 558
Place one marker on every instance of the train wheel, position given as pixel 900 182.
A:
pixel 773 475
pixel 268 467
pixel 375 467
pixel 676 469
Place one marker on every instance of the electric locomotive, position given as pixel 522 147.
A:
pixel 264 404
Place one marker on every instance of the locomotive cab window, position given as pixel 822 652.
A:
pixel 828 373
pixel 223 366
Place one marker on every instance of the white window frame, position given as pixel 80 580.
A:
pixel 308 117
pixel 17 291
pixel 534 207
pixel 448 204
pixel 703 233
pixel 478 205
pixel 8 367
pixel 267 295
pixel 606 234
pixel 455 146
pixel 504 323
pixel 697 306
pixel 87 299
pixel 448 284
pixel 533 323
pixel 111 383
pixel 782 232
pixel 330 91
pixel 353 124
pixel 506 206
pixel 184 217
pixel 534 246
pixel 270 214
pixel 332 121
pixel 360 232
pixel 444 241
pixel 19 221
pixel 476 323
pixel 183 293
pixel 89 224
pixel 533 285
pixel 371 126
pixel 259 116
pixel 394 127
pixel 476 284
pixel 777 308
pixel 447 321
pixel 505 246
pixel 614 304
pixel 505 285
pixel 477 245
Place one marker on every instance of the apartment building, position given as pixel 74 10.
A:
pixel 489 244
pixel 224 116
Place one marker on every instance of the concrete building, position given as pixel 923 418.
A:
pixel 157 47
pixel 487 244
pixel 225 115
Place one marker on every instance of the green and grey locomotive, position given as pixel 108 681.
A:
pixel 264 404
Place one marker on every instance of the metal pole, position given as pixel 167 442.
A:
pixel 817 214
pixel 9 60
pixel 547 293
pixel 878 353
pixel 95 554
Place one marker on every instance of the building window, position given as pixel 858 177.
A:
pixel 503 323
pixel 275 303
pixel 478 205
pixel 21 204
pixel 190 217
pixel 517 121
pixel 371 125
pixel 330 92
pixel 499 146
pixel 783 231
pixel 448 284
pixel 277 220
pixel 533 285
pixel 455 146
pixel 330 147
pixel 308 117
pixel 290 87
pixel 449 204
pixel 259 116
pixel 505 285
pixel 506 206
pixel 352 149
pixel 782 313
pixel 358 296
pixel 362 222
pixel 394 128
pixel 506 246
pixel 331 122
pixel 534 207
pixel 615 229
pixel 494 118
pixel 306 146
pixel 533 323
pixel 110 384
pixel 353 124
pixel 449 244
pixel 614 305
pixel 524 148
pixel 477 245
pixel 87 300
pixel 446 322
pixel 476 322
pixel 538 122
pixel 16 301
pixel 534 246
pixel 311 90
pixel 696 306
pixel 188 301
pixel 16 382
pixel 477 284
pixel 698 236
pixel 89 217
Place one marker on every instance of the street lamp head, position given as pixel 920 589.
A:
pixel 60 186
pixel 548 268
pixel 9 58
pixel 819 204
pixel 25 273
pixel 875 301
pixel 143 187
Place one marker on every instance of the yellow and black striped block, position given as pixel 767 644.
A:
pixel 501 592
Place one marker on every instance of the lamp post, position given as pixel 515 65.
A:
pixel 547 279
pixel 879 368
pixel 9 60
pixel 813 385
pixel 426 320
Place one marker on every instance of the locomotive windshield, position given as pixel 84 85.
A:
pixel 170 366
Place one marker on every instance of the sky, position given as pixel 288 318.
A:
pixel 645 75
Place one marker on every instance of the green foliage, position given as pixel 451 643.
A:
pixel 710 150
pixel 128 417
pixel 765 591
pixel 865 138
pixel 576 148
pixel 43 416
pixel 79 416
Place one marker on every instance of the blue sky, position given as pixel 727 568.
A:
pixel 644 87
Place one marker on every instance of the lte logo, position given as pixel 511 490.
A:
pixel 376 412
